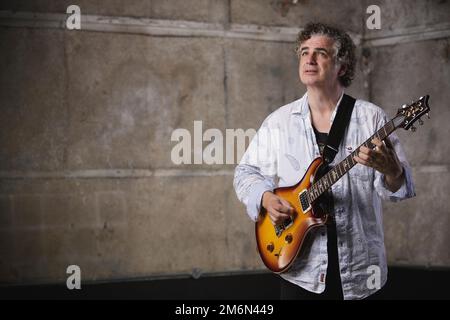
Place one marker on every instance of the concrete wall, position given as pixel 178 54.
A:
pixel 418 230
pixel 86 176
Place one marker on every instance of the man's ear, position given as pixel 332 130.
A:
pixel 342 70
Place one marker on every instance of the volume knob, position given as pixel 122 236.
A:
pixel 288 238
pixel 270 247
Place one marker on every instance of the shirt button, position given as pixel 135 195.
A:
pixel 323 233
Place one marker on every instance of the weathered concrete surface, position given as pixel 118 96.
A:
pixel 405 72
pixel 397 15
pixel 32 94
pixel 261 78
pixel 417 230
pixel 195 10
pixel 121 228
pixel 346 14
pixel 132 100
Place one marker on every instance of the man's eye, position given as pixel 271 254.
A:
pixel 304 53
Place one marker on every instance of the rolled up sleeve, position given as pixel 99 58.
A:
pixel 404 192
pixel 407 189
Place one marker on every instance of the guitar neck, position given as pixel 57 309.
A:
pixel 337 172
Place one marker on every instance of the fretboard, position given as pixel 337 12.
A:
pixel 330 178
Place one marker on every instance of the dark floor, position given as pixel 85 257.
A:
pixel 403 283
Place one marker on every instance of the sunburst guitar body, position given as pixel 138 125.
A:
pixel 279 245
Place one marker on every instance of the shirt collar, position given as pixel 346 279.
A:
pixel 301 106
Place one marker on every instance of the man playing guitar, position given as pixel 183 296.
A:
pixel 335 258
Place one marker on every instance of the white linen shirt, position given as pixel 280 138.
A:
pixel 279 155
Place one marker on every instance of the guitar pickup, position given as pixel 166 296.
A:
pixel 304 201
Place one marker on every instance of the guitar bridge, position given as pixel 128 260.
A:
pixel 279 228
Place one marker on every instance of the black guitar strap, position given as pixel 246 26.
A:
pixel 340 123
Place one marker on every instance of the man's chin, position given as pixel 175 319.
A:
pixel 310 82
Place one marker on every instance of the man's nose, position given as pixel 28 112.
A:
pixel 311 59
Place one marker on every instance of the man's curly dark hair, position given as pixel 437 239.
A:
pixel 344 47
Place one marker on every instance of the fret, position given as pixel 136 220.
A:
pixel 389 126
pixel 381 134
pixel 327 178
pixel 341 168
pixel 334 175
pixel 355 153
pixel 378 136
pixel 383 130
pixel 346 166
pixel 322 184
pixel 386 129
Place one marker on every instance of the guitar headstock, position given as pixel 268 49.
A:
pixel 407 115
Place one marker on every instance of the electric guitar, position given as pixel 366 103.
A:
pixel 279 245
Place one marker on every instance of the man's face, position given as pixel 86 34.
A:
pixel 317 66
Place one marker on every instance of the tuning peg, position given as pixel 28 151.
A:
pixel 428 115
pixel 404 106
pixel 413 129
pixel 421 122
